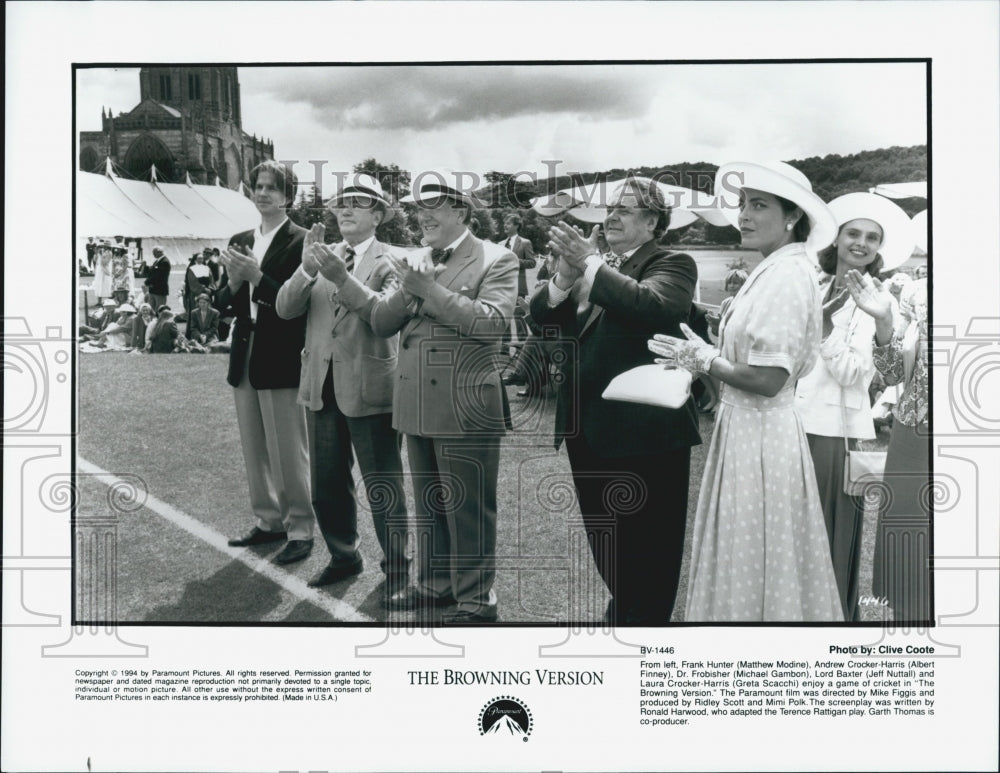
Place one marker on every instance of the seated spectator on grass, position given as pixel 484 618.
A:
pixel 141 325
pixel 98 320
pixel 117 336
pixel 160 339
pixel 203 322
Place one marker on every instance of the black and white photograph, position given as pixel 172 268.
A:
pixel 548 425
pixel 494 379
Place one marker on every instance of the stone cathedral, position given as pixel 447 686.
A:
pixel 187 121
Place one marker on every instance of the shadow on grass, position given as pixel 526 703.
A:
pixel 234 594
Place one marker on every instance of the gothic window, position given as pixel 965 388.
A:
pixel 89 160
pixel 146 151
pixel 194 86
pixel 165 87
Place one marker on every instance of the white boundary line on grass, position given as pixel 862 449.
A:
pixel 340 610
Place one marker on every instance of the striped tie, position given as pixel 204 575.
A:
pixel 349 255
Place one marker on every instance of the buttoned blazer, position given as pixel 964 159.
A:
pixel 275 361
pixel 843 370
pixel 158 276
pixel 447 379
pixel 651 293
pixel 338 331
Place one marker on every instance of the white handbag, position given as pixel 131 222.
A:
pixel 651 385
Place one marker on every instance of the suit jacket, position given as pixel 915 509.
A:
pixel 447 380
pixel 651 293
pixel 338 330
pixel 209 328
pixel 275 361
pixel 158 275
pixel 525 255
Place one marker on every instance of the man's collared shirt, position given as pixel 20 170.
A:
pixel 261 244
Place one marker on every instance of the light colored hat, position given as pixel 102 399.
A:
pixel 108 302
pixel 778 179
pixel 897 230
pixel 127 307
pixel 433 186
pixel 364 186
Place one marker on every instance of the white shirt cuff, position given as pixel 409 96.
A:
pixel 594 262
pixel 308 278
pixel 556 294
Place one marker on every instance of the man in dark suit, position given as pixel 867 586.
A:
pixel 630 462
pixel 157 279
pixel 525 255
pixel 347 378
pixel 264 366
pixel 203 322
pixel 450 310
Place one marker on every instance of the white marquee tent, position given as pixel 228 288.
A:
pixel 183 218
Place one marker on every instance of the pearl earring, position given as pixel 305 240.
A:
pixel 788 226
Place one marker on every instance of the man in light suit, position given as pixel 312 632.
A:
pixel 264 366
pixel 347 378
pixel 450 311
pixel 610 305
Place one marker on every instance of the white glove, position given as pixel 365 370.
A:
pixel 691 353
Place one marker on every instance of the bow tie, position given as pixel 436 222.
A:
pixel 440 256
pixel 613 260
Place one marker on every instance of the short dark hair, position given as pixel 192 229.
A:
pixel 512 216
pixel 652 200
pixel 802 226
pixel 283 176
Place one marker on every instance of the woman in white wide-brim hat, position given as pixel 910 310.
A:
pixel 760 550
pixel 832 400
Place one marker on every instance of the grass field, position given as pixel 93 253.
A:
pixel 169 421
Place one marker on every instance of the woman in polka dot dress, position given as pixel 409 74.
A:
pixel 760 549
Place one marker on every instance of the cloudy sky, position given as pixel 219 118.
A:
pixel 585 117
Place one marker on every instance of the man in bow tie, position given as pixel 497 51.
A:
pixel 452 306
pixel 264 367
pixel 630 461
pixel 347 382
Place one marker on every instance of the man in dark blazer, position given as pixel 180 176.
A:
pixel 630 462
pixel 347 378
pixel 525 255
pixel 264 367
pixel 450 310
pixel 158 279
pixel 203 321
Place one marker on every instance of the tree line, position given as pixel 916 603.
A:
pixel 831 176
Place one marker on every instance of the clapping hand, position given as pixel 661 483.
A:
pixel 315 236
pixel 415 272
pixel 691 352
pixel 870 296
pixel 241 266
pixel 328 263
pixel 572 247
pixel 831 307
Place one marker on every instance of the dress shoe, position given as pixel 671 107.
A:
pixel 257 536
pixel 411 598
pixel 335 572
pixel 295 550
pixel 465 617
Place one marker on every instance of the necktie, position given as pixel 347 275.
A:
pixel 613 260
pixel 510 243
pixel 440 256
pixel 349 256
